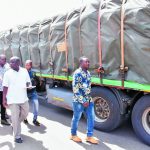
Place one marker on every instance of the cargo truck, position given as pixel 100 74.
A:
pixel 115 36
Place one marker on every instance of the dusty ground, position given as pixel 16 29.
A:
pixel 54 134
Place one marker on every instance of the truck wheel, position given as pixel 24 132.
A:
pixel 141 118
pixel 107 110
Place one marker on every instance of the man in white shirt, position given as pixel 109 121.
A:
pixel 15 82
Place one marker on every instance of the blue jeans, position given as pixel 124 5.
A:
pixel 35 103
pixel 78 109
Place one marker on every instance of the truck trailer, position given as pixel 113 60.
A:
pixel 115 36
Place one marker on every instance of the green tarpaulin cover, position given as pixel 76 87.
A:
pixel 57 43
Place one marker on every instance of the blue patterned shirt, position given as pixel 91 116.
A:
pixel 81 86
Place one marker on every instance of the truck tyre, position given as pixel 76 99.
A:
pixel 141 118
pixel 40 84
pixel 107 110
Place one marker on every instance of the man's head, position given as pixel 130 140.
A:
pixel 84 63
pixel 28 64
pixel 2 60
pixel 15 63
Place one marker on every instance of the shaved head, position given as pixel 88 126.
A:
pixel 2 56
pixel 84 63
pixel 28 64
pixel 81 59
pixel 15 58
pixel 15 63
pixel 28 61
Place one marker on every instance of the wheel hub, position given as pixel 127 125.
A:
pixel 146 120
pixel 102 110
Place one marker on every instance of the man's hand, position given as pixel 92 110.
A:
pixel 5 103
pixel 5 89
pixel 86 104
pixel 28 84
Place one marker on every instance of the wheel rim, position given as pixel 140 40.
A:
pixel 146 120
pixel 102 110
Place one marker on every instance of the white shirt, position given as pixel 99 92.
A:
pixel 2 71
pixel 16 83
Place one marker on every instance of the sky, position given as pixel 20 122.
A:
pixel 17 12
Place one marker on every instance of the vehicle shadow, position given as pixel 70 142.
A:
pixel 56 113
pixel 121 138
pixel 63 116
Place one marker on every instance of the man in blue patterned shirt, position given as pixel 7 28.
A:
pixel 82 101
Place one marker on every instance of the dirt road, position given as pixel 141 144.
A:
pixel 54 134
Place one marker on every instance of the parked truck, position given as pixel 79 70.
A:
pixel 115 36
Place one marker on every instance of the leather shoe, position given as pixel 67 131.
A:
pixel 19 140
pixel 35 122
pixel 5 122
pixel 26 121
pixel 75 138
pixel 92 140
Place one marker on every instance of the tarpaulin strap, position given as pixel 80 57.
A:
pixel 19 47
pixel 7 43
pixel 123 69
pixel 80 39
pixel 71 50
pixel 100 70
pixel 11 43
pixel 51 63
pixel 4 43
pixel 28 43
pixel 66 47
pixel 3 35
pixel 39 49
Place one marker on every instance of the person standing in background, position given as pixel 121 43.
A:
pixel 3 68
pixel 15 82
pixel 32 94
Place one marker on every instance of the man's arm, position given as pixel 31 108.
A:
pixel 28 80
pixel 5 89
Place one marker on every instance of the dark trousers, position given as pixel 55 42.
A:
pixel 3 109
